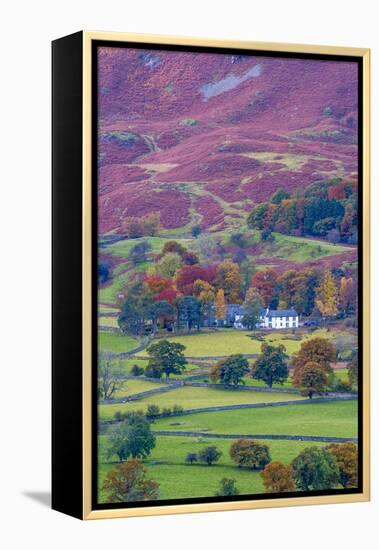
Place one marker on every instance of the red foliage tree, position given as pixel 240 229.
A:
pixel 188 274
pixel 265 282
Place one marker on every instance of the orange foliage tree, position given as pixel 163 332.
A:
pixel 278 478
pixel 128 483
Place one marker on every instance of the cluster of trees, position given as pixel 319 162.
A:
pixel 134 228
pixel 324 210
pixel 331 293
pixel 312 368
pixel 198 296
pixel 313 469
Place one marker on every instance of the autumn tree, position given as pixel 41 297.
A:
pixel 264 282
pixel 157 283
pixel 131 438
pixel 229 279
pixel 209 455
pixel 271 365
pixel 134 227
pixel 190 258
pixel 352 369
pixel 228 488
pixel 346 455
pixel 297 288
pixel 278 478
pixel 315 469
pixel 127 483
pixel 248 453
pixel 252 305
pixel 189 274
pixel 230 371
pixel 172 247
pixel 166 357
pixel 168 265
pixel 317 350
pixel 220 305
pixel 312 378
pixel 347 294
pixel 205 294
pixel 109 377
pixel 327 296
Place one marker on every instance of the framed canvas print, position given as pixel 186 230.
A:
pixel 210 275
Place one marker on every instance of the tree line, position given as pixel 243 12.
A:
pixel 327 209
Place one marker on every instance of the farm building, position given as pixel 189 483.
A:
pixel 279 318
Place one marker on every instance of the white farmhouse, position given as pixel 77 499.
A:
pixel 279 318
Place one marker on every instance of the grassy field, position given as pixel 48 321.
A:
pixel 123 248
pixel 228 341
pixel 321 419
pixel 117 343
pixel 107 321
pixel 166 465
pixel 136 386
pixel 194 397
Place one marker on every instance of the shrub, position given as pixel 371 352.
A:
pixel 152 411
pixel 167 411
pixel 191 458
pixel 209 455
pixel 227 488
pixel 177 409
pixel 137 370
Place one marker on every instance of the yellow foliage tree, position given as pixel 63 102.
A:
pixel 326 297
pixel 220 305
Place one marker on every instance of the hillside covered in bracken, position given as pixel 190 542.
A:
pixel 203 138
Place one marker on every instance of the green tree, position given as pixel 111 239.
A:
pixel 271 365
pixel 127 483
pixel 131 438
pixel 227 488
pixel 279 195
pixel 191 458
pixel 167 358
pixel 252 305
pixel 315 470
pixel 168 265
pixel 248 453
pixel 136 310
pixel 209 455
pixel 162 308
pixel 189 311
pixel 138 253
pixel 230 371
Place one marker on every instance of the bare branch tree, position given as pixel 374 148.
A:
pixel 110 378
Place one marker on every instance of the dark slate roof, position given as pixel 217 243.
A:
pixel 235 309
pixel 280 313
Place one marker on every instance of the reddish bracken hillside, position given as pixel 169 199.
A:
pixel 176 127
